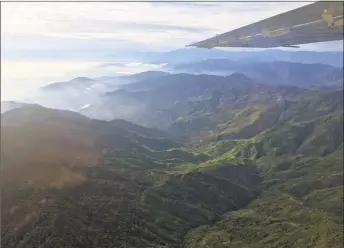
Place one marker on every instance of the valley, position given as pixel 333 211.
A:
pixel 177 160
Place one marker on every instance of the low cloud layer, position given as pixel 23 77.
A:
pixel 89 26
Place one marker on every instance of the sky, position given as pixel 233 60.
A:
pixel 87 31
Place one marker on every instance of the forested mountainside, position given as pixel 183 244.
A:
pixel 171 97
pixel 108 95
pixel 87 183
pixel 277 72
pixel 235 163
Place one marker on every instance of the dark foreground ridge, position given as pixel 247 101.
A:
pixel 240 164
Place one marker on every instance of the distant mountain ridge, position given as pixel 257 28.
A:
pixel 82 91
pixel 9 105
pixel 75 82
pixel 240 163
pixel 170 98
pixel 277 72
pixel 191 55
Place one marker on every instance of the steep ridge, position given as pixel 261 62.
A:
pixel 315 117
pixel 82 92
pixel 80 182
pixel 314 104
pixel 179 95
pixel 256 113
pixel 301 205
pixel 144 107
pixel 301 164
pixel 263 169
pixel 9 105
pixel 303 138
pixel 50 136
pixel 277 72
pixel 237 113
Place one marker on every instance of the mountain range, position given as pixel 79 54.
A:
pixel 160 102
pixel 178 160
pixel 277 72
pixel 192 55
pixel 82 92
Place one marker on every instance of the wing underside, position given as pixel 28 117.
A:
pixel 316 22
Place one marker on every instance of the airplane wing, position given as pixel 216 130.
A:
pixel 317 22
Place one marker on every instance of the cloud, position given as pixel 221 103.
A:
pixel 117 25
pixel 188 4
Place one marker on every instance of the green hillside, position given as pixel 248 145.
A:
pixel 260 166
pixel 301 205
pixel 134 193
pixel 300 160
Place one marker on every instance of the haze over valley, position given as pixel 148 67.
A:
pixel 142 145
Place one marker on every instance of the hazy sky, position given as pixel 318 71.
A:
pixel 81 29
pixel 71 36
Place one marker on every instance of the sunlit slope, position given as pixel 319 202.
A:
pixel 258 112
pixel 36 141
pixel 262 168
pixel 301 164
pixel 88 183
pixel 46 137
